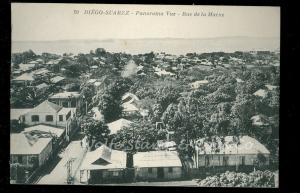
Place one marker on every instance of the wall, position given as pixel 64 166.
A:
pixel 233 159
pixel 42 118
pixel 67 102
pixel 65 122
pixel 45 154
pixel 143 174
pixel 25 159
pixel 175 174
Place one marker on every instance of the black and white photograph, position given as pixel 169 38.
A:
pixel 144 95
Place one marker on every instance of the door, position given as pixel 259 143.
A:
pixel 160 173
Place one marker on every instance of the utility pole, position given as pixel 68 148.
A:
pixel 85 104
pixel 69 170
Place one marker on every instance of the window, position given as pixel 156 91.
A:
pixel 170 170
pixel 115 173
pixel 49 118
pixel 61 118
pixel 65 104
pixel 150 170
pixel 35 118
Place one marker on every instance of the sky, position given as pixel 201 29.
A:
pixel 50 22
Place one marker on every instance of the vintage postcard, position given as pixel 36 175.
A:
pixel 145 95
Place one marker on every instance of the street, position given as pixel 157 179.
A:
pixel 186 183
pixel 59 174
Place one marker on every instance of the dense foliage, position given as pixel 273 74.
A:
pixel 223 106
pixel 257 179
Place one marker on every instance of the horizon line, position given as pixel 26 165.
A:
pixel 148 38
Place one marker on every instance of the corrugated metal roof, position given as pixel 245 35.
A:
pixel 270 87
pixel 247 145
pixel 25 77
pixel 56 79
pixel 117 125
pixel 40 86
pixel 111 159
pixel 21 145
pixel 45 128
pixel 156 159
pixel 65 95
pixel 45 106
pixel 261 93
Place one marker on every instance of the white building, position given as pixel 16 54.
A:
pixel 117 125
pixel 197 84
pixel 230 151
pixel 261 93
pixel 103 164
pixel 29 151
pixel 66 99
pixel 50 114
pixel 157 165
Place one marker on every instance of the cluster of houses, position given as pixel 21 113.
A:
pixel 169 65
pixel 230 153
pixel 53 122
pixel 106 165
pixel 47 127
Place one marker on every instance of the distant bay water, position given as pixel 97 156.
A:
pixel 140 46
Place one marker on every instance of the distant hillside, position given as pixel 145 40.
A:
pixel 137 46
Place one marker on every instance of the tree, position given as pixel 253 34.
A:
pixel 272 101
pixel 139 137
pixel 110 99
pixel 149 57
pixel 241 112
pixel 26 97
pixel 23 57
pixel 155 113
pixel 100 52
pixel 110 106
pixel 169 117
pixel 166 96
pixel 74 70
pixel 88 91
pixel 220 120
pixel 83 60
pixel 234 179
pixel 95 131
pixel 119 87
pixel 16 126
